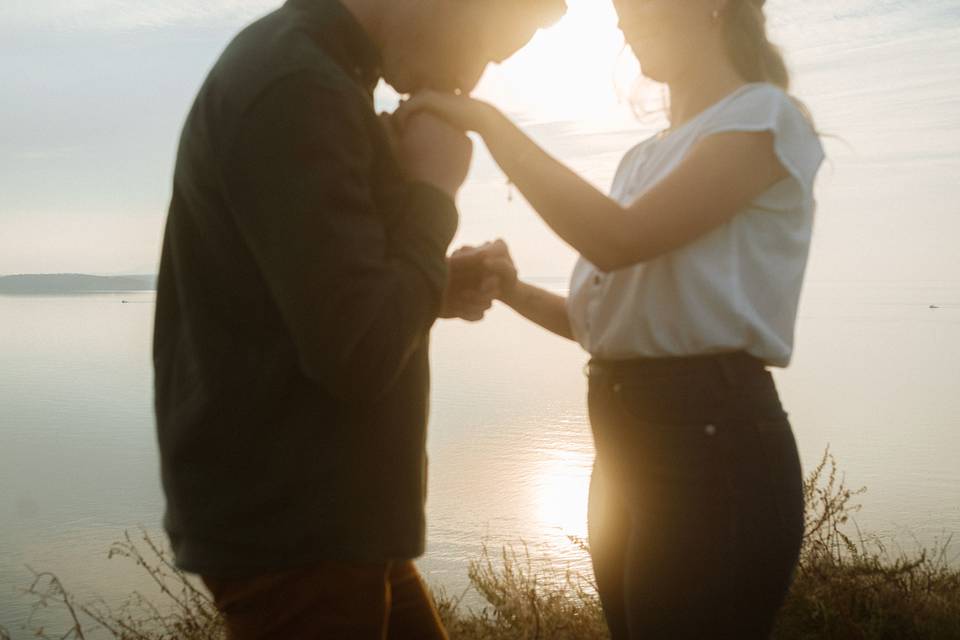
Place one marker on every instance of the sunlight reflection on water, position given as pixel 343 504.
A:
pixel 876 369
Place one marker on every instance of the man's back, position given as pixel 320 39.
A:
pixel 300 276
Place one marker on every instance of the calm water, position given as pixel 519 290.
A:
pixel 877 370
pixel 875 378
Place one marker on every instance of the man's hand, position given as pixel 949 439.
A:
pixel 432 151
pixel 471 289
pixel 498 262
pixel 479 275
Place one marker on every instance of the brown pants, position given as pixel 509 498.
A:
pixel 329 601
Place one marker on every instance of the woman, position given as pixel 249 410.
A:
pixel 686 291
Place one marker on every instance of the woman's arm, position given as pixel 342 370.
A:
pixel 719 177
pixel 541 307
pixel 535 304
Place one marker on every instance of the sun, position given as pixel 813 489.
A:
pixel 568 72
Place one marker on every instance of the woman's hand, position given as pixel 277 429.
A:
pixel 461 112
pixel 498 262
pixel 497 279
pixel 471 288
pixel 479 275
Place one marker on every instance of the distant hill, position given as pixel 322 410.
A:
pixel 66 283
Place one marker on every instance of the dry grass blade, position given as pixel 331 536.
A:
pixel 847 585
pixel 191 614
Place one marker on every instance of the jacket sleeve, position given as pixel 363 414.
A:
pixel 358 301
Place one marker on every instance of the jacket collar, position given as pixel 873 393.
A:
pixel 343 38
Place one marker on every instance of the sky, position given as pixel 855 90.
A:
pixel 93 94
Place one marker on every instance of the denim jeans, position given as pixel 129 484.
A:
pixel 696 499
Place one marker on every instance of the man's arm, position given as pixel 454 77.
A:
pixel 357 302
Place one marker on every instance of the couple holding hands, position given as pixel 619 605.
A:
pixel 305 261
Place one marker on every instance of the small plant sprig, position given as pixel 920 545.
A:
pixel 190 616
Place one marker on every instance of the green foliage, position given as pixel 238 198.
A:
pixel 848 586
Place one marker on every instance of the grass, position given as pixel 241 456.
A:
pixel 848 586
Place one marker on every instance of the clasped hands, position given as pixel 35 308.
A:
pixel 477 277
pixel 430 143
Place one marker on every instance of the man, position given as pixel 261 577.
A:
pixel 303 266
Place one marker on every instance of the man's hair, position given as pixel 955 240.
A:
pixel 551 10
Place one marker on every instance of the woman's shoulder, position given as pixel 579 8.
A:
pixel 635 155
pixel 766 107
pixel 763 105
pixel 638 150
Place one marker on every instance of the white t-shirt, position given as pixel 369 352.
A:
pixel 735 288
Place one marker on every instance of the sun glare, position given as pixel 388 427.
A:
pixel 562 486
pixel 568 72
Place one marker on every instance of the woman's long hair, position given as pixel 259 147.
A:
pixel 750 50
pixel 754 56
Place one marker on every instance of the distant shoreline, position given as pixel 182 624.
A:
pixel 74 283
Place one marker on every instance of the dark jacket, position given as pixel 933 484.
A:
pixel 301 274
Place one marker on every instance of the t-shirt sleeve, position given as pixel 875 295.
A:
pixel 768 108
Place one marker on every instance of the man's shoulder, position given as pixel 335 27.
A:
pixel 270 50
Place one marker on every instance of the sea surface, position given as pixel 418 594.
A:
pixel 875 379
pixel 98 94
